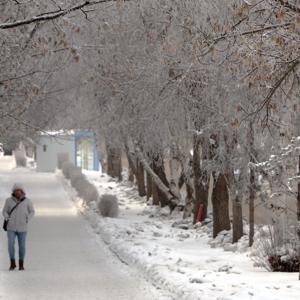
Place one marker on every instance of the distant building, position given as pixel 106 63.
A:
pixel 79 146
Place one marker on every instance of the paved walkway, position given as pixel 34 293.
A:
pixel 63 260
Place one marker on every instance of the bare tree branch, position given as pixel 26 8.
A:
pixel 52 15
pixel 277 85
pixel 289 5
pixel 244 33
pixel 2 81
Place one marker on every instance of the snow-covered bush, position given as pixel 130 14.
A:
pixel 75 174
pixel 90 193
pixel 79 184
pixel 285 263
pixel 20 158
pixel 267 252
pixel 66 169
pixel 84 188
pixel 108 206
pixel 61 158
pixel 76 178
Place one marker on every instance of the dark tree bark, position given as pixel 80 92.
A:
pixel 189 201
pixel 114 162
pixel 159 170
pixel 220 201
pixel 201 189
pixel 131 159
pixel 161 189
pixel 131 164
pixel 251 207
pixel 237 221
pixel 141 179
pixel 252 187
pixel 298 213
pixel 155 194
pixel 130 175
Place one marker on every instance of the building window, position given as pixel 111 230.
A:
pixel 45 148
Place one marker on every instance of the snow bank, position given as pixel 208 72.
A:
pixel 176 256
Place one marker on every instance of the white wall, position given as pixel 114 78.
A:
pixel 47 160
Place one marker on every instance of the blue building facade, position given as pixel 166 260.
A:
pixel 86 155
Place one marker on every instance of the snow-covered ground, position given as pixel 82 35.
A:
pixel 64 260
pixel 177 257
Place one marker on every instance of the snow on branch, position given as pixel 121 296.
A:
pixel 52 15
pixel 286 153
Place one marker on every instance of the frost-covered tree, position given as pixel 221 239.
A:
pixel 192 91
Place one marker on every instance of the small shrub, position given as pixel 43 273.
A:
pixel 61 158
pixel 80 185
pixel 274 253
pixel 90 193
pixel 85 189
pixel 66 169
pixel 108 206
pixel 75 178
pixel 75 174
pixel 284 263
pixel 20 158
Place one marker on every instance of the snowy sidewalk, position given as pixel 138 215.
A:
pixel 63 260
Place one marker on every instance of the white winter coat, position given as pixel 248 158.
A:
pixel 18 221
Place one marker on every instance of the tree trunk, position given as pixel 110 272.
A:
pixel 149 186
pixel 220 201
pixel 159 179
pixel 237 222
pixel 130 159
pixel 159 170
pixel 109 163
pixel 141 179
pixel 130 175
pixel 251 207
pixel 298 214
pixel 201 190
pixel 251 187
pixel 188 209
pixel 114 163
pixel 133 172
pixel 155 194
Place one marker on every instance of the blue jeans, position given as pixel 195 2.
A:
pixel 11 236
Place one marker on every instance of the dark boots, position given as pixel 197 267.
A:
pixel 21 265
pixel 12 265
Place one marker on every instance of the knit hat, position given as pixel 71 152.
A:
pixel 18 186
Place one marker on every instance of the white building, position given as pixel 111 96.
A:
pixel 79 146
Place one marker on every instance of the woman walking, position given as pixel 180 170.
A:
pixel 18 211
